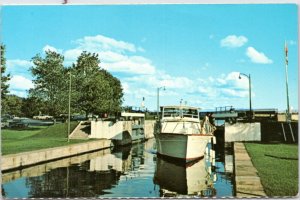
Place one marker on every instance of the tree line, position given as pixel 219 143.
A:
pixel 93 89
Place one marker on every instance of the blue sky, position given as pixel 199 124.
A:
pixel 195 51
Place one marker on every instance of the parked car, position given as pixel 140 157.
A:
pixel 5 119
pixel 78 118
pixel 4 123
pixel 18 123
pixel 43 117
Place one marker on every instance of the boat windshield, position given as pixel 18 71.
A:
pixel 180 112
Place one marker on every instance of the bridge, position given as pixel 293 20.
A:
pixel 230 113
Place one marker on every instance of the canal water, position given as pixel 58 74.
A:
pixel 132 171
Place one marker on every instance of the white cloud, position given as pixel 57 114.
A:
pixel 51 48
pixel 110 56
pixel 72 54
pixel 233 41
pixel 257 57
pixel 141 49
pixel 17 62
pixel 18 82
pixel 19 93
pixel 18 67
pixel 292 42
pixel 125 87
pixel 105 43
pixel 160 79
pixel 144 93
pixel 232 80
pixel 132 65
pixel 113 55
pixel 179 82
pixel 222 86
pixel 211 90
pixel 232 92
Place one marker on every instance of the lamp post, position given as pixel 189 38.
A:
pixel 250 103
pixel 288 117
pixel 164 88
pixel 69 115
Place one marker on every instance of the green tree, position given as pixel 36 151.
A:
pixel 96 90
pixel 114 92
pixel 33 106
pixel 4 78
pixel 50 82
pixel 13 104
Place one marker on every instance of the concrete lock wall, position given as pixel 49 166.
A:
pixel 281 117
pixel 109 129
pixel 242 132
pixel 149 128
pixel 37 170
pixel 34 157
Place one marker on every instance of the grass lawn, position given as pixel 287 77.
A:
pixel 35 137
pixel 277 166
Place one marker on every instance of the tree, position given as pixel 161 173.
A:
pixel 114 93
pixel 96 90
pixel 33 106
pixel 50 82
pixel 4 78
pixel 12 105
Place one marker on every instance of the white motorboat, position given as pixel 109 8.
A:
pixel 180 133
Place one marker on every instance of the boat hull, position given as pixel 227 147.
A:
pixel 182 146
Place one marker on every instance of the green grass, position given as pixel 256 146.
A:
pixel 277 166
pixel 34 138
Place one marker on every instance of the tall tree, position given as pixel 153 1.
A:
pixel 114 93
pixel 4 78
pixel 96 90
pixel 84 72
pixel 50 82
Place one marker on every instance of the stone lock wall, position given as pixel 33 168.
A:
pixel 34 157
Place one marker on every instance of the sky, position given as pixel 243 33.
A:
pixel 195 51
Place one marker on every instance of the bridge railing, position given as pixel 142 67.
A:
pixel 224 109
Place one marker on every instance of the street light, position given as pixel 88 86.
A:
pixel 164 88
pixel 250 103
pixel 69 115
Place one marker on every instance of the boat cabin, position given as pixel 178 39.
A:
pixel 170 113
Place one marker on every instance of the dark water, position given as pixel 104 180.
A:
pixel 133 171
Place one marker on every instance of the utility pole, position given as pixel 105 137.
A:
pixel 288 117
pixel 69 120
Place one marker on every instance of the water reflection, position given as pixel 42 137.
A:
pixel 177 179
pixel 131 171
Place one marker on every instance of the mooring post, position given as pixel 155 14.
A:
pixel 292 132
pixel 283 132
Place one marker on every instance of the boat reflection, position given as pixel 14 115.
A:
pixel 179 179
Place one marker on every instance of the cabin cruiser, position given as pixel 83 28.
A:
pixel 180 133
